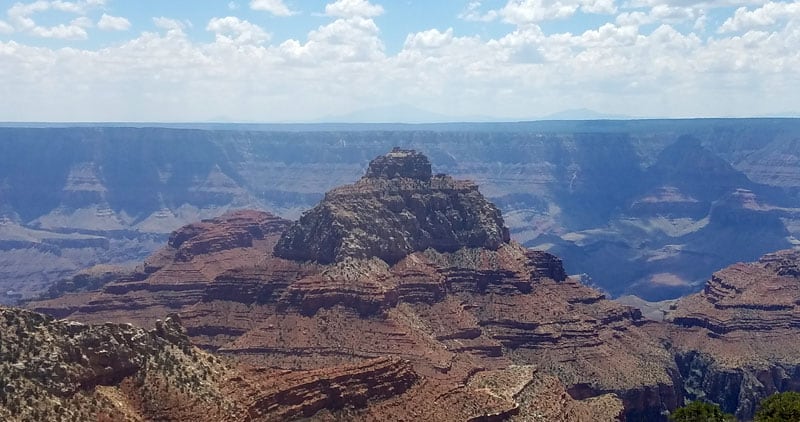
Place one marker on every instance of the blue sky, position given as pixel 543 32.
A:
pixel 317 60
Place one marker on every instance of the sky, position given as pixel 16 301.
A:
pixel 312 61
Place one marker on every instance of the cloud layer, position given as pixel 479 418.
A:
pixel 650 58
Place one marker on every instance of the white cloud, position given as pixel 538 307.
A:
pixel 113 23
pixel 767 15
pixel 431 38
pixel 523 12
pixel 353 8
pixel 5 28
pixel 232 5
pixel 669 14
pixel 169 24
pixel 233 29
pixel 619 66
pixel 520 12
pixel 633 19
pixel 82 22
pixel 707 4
pixel 343 40
pixel 19 14
pixel 66 32
pixel 602 7
pixel 472 13
pixel 21 17
pixel 276 7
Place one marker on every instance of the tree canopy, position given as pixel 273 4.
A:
pixel 780 407
pixel 700 411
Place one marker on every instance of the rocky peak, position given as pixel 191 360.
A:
pixel 396 209
pixel 400 163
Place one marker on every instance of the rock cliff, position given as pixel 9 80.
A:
pixel 735 342
pixel 65 370
pixel 397 208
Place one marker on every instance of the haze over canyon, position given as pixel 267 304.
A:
pixel 639 207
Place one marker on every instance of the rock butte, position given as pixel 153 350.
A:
pixel 415 274
pixel 396 209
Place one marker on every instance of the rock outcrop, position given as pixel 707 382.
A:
pixel 65 370
pixel 61 370
pixel 396 209
pixel 735 342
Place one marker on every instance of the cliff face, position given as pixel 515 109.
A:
pixel 735 342
pixel 454 308
pixel 397 208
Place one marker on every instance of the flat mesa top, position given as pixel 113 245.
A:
pixel 400 163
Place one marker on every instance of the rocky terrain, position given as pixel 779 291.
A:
pixel 64 370
pixel 466 316
pixel 472 327
pixel 640 207
pixel 396 209
pixel 736 342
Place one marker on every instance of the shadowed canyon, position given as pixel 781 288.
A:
pixel 645 207
pixel 401 296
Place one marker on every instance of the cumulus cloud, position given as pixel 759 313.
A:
pixel 353 39
pixel 113 23
pixel 5 28
pixel 473 13
pixel 431 38
pixel 524 12
pixel 767 15
pixel 353 8
pixel 20 17
pixel 233 29
pixel 65 32
pixel 521 12
pixel 636 62
pixel 169 24
pixel 275 7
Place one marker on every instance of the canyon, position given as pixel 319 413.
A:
pixel 647 207
pixel 461 324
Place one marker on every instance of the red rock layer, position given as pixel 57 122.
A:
pixel 752 298
pixel 451 315
pixel 735 342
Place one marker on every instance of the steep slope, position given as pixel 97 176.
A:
pixel 462 311
pixel 64 370
pixel 736 342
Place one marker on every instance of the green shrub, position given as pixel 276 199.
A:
pixel 700 411
pixel 780 407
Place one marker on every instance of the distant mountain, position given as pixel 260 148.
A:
pixel 584 114
pixel 400 113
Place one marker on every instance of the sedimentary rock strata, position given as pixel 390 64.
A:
pixel 453 308
pixel 736 342
pixel 454 330
pixel 397 208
